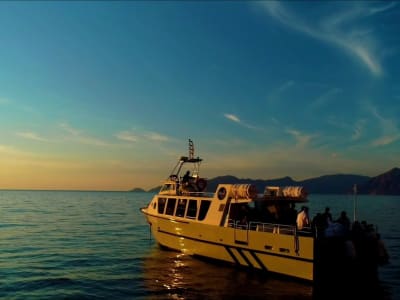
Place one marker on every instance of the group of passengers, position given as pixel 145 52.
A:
pixel 362 235
pixel 323 224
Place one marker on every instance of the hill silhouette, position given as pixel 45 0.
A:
pixel 387 183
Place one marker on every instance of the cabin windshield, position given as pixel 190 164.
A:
pixel 168 187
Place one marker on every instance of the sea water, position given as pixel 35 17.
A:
pixel 97 245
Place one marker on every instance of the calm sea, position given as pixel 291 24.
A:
pixel 96 245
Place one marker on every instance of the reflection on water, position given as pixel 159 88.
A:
pixel 95 245
pixel 172 275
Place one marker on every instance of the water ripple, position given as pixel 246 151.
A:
pixel 96 245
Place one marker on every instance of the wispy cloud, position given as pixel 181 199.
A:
pixel 390 131
pixel 18 158
pixel 302 139
pixel 237 120
pixel 126 136
pixel 358 130
pixel 132 136
pixel 79 137
pixel 325 98
pixel 379 9
pixel 32 136
pixel 275 95
pixel 284 87
pixel 10 150
pixel 355 130
pixel 4 101
pixel 340 29
pixel 18 106
pixel 232 118
pixel 386 140
pixel 154 136
pixel 69 129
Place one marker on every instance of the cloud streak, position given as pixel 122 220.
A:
pixel 237 120
pixel 325 98
pixel 275 96
pixel 390 131
pixel 338 29
pixel 358 130
pixel 131 136
pixel 4 101
pixel 302 140
pixel 79 137
pixel 126 136
pixel 32 136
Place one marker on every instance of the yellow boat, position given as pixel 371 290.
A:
pixel 234 224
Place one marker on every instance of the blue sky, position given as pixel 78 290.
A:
pixel 104 95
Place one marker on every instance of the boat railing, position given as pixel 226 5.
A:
pixel 196 194
pixel 274 228
pixel 264 227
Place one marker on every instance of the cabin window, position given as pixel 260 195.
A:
pixel 168 187
pixel 180 209
pixel 204 206
pixel 161 205
pixel 192 209
pixel 170 206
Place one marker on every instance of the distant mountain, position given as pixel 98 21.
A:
pixel 137 190
pixel 333 184
pixel 155 189
pixel 385 184
pixel 329 184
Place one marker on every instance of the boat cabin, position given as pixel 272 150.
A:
pixel 231 203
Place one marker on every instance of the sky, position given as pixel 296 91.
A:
pixel 104 95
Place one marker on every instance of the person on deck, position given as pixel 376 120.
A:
pixel 345 221
pixel 327 216
pixel 186 178
pixel 303 219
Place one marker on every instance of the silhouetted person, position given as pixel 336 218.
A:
pixel 186 178
pixel 291 215
pixel 318 224
pixel 327 216
pixel 345 221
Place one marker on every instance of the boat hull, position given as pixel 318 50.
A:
pixel 284 254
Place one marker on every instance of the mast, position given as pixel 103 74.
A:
pixel 191 149
pixel 354 202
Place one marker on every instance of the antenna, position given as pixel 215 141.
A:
pixel 191 149
pixel 355 203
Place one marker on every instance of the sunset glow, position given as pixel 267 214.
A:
pixel 103 95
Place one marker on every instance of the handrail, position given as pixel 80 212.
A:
pixel 268 227
pixel 197 194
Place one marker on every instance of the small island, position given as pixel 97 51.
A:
pixel 138 190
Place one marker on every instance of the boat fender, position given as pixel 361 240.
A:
pixel 201 184
pixel 221 193
pixel 246 191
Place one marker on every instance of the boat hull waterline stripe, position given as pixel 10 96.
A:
pixel 245 258
pixel 232 255
pixel 253 252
